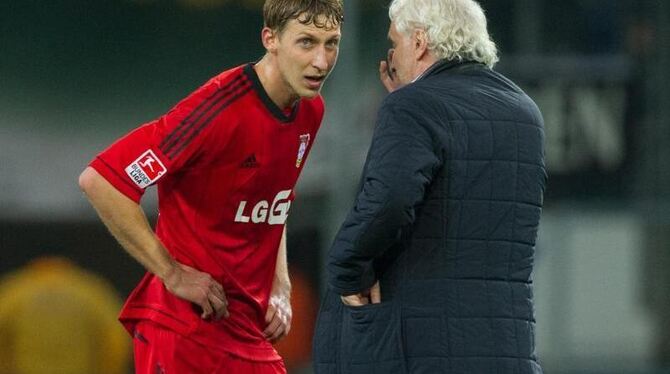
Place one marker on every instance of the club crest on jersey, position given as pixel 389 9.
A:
pixel 146 169
pixel 304 142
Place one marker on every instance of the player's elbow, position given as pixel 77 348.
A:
pixel 87 180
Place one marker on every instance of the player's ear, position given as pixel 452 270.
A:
pixel 269 38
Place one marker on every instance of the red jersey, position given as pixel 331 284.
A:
pixel 225 160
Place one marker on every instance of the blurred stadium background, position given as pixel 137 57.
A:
pixel 76 74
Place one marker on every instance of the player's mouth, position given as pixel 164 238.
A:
pixel 314 81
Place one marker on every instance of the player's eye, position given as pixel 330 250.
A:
pixel 333 43
pixel 306 42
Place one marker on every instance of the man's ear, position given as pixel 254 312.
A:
pixel 269 38
pixel 420 40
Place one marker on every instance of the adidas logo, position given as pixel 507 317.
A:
pixel 250 162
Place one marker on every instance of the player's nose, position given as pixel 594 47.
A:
pixel 320 59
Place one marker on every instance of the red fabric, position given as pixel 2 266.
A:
pixel 162 351
pixel 225 164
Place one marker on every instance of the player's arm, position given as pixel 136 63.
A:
pixel 127 222
pixel 279 313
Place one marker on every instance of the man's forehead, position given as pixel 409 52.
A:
pixel 392 30
pixel 325 27
pixel 394 34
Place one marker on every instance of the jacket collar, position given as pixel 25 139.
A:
pixel 444 65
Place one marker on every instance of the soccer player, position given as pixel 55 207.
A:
pixel 225 160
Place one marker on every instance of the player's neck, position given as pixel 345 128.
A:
pixel 273 84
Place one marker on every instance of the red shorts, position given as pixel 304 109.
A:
pixel 162 351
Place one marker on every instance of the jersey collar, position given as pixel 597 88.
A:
pixel 269 104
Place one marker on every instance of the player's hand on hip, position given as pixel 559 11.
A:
pixel 371 296
pixel 278 317
pixel 199 288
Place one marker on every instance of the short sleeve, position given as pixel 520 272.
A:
pixel 146 155
pixel 134 162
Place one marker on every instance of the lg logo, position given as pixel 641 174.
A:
pixel 274 214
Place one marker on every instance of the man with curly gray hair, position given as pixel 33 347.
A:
pixel 431 270
pixel 453 30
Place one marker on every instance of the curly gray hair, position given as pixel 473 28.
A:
pixel 455 29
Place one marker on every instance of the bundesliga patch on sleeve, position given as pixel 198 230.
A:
pixel 146 169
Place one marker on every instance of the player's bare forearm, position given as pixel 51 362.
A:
pixel 279 314
pixel 127 222
pixel 282 281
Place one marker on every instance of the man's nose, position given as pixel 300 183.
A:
pixel 320 59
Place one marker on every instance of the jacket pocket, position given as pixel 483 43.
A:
pixel 371 340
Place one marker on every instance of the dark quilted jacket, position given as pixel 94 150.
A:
pixel 446 218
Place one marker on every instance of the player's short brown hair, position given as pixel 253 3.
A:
pixel 322 13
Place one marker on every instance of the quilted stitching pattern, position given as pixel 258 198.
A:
pixel 476 275
pixel 458 290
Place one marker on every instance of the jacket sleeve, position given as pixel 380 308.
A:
pixel 400 166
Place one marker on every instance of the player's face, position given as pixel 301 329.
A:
pixel 402 55
pixel 306 54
